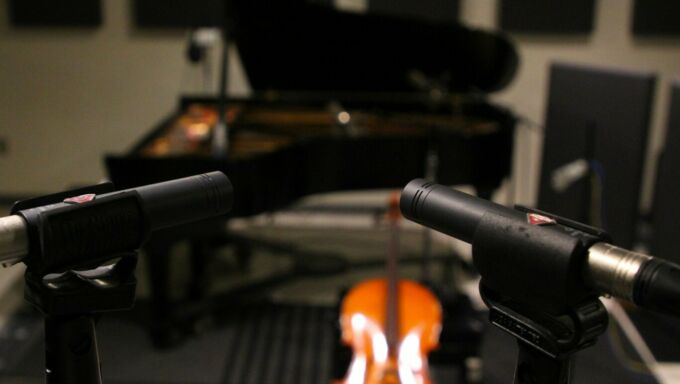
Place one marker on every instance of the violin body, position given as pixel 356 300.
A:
pixel 363 320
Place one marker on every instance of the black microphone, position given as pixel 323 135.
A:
pixel 188 199
pixel 69 230
pixel 511 235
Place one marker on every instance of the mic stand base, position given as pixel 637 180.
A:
pixel 71 354
pixel 547 341
pixel 535 367
pixel 70 302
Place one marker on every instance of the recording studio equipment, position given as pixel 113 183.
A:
pixel 80 250
pixel 541 274
pixel 563 177
pixel 605 269
pixel 321 120
pixel 597 114
pixel 84 225
pixel 201 41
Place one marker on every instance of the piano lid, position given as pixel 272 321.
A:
pixel 292 45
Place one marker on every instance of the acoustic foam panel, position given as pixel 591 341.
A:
pixel 433 10
pixel 656 17
pixel 549 17
pixel 55 13
pixel 178 13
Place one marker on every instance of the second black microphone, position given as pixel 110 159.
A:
pixel 540 258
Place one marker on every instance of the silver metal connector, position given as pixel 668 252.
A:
pixel 13 240
pixel 613 270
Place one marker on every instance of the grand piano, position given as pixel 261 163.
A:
pixel 340 101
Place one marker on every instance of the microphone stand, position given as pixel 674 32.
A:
pixel 541 275
pixel 71 304
pixel 220 139
pixel 547 337
pixel 547 342
pixel 71 301
pixel 431 169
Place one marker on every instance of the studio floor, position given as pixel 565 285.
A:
pixel 288 334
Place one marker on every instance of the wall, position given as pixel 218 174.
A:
pixel 67 96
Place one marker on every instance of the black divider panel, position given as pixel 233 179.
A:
pixel 603 115
pixel 667 196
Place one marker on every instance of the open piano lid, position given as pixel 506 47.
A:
pixel 292 45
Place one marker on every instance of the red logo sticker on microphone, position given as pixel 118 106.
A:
pixel 80 199
pixel 536 219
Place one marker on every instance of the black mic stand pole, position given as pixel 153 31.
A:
pixel 431 169
pixel 220 139
pixel 552 328
pixel 71 304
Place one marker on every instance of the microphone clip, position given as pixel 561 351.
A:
pixel 81 228
pixel 535 258
pixel 81 261
pixel 532 283
pixel 547 342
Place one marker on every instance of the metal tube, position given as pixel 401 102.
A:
pixel 613 270
pixel 13 239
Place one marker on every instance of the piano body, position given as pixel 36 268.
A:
pixel 281 151
pixel 341 102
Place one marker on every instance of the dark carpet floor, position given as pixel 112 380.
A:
pixel 267 343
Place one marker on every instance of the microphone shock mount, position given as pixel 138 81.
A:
pixel 80 250
pixel 550 324
pixel 72 299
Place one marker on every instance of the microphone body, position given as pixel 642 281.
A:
pixel 182 201
pixel 535 257
pixel 70 230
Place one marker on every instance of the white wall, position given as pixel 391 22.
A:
pixel 68 96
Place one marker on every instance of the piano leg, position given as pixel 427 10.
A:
pixel 200 257
pixel 163 333
pixel 169 321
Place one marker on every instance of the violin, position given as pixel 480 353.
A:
pixel 391 324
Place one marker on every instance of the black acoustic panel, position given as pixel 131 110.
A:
pixel 178 13
pixel 433 10
pixel 282 344
pixel 656 17
pixel 541 16
pixel 602 115
pixel 55 13
pixel 667 195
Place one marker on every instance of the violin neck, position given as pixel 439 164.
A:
pixel 392 318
